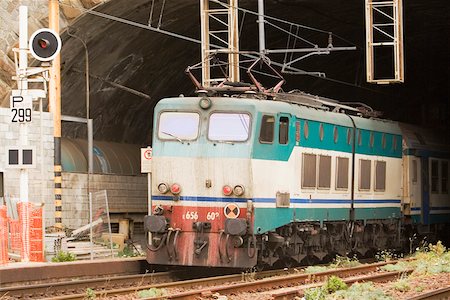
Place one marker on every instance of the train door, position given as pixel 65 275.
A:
pixel 415 186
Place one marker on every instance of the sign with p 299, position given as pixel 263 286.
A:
pixel 21 108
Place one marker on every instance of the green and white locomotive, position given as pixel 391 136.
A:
pixel 255 178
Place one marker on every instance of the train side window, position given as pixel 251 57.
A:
pixel 359 137
pixel 335 134
pixel 283 137
pixel 324 171
pixel 444 177
pixel 364 174
pixel 309 171
pixel 434 176
pixel 380 176
pixel 394 143
pixel 342 173
pixel 349 135
pixel 267 129
pixel 321 132
pixel 306 130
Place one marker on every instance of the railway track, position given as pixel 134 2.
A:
pixel 440 294
pixel 76 286
pixel 276 284
pixel 189 289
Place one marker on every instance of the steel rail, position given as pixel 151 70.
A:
pixel 43 290
pixel 443 293
pixel 184 284
pixel 273 283
pixel 291 293
pixel 229 283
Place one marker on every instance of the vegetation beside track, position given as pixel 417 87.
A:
pixel 427 263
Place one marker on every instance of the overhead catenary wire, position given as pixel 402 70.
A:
pixel 266 17
pixel 197 41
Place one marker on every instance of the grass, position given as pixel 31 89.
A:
pixel 63 256
pixel 332 285
pixel 358 291
pixel 428 260
pixel 153 292
pixel 338 262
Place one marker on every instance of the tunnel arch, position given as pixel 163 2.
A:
pixel 150 65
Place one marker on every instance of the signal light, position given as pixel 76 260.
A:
pixel 175 189
pixel 227 190
pixel 45 44
pixel 239 190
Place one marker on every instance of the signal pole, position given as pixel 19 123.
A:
pixel 55 107
pixel 23 128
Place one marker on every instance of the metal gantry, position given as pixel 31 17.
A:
pixel 219 26
pixel 384 40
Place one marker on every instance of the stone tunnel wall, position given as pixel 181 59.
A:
pixel 127 197
pixel 37 18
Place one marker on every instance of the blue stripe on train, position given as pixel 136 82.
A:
pixel 273 200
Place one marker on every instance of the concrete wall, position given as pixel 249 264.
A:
pixel 40 178
pixel 127 197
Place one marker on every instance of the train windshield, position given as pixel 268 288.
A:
pixel 229 127
pixel 178 125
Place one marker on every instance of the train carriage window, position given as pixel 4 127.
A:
pixel 349 136
pixel 342 173
pixel 335 134
pixel 232 127
pixel 309 171
pixel 321 132
pixel 359 137
pixel 380 176
pixel 267 129
pixel 306 130
pixel 372 139
pixel 434 176
pixel 324 171
pixel 297 131
pixel 394 143
pixel 178 125
pixel 444 177
pixel 365 174
pixel 414 171
pixel 283 137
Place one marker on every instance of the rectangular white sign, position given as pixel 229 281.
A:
pixel 146 160
pixel 21 107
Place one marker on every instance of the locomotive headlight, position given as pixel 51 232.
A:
pixel 239 190
pixel 163 188
pixel 175 189
pixel 205 103
pixel 227 190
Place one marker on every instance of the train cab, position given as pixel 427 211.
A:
pixel 201 212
